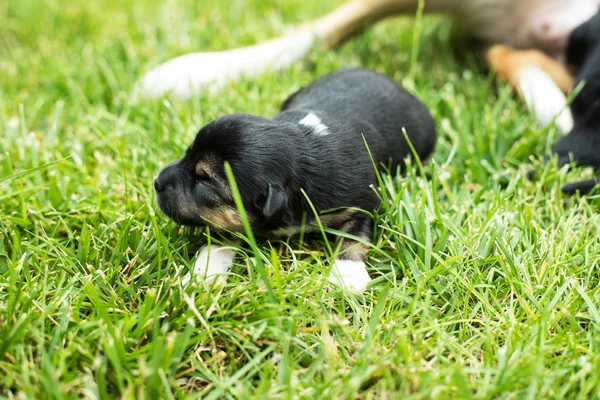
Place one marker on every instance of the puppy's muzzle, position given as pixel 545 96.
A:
pixel 158 186
pixel 165 185
pixel 176 195
pixel 167 177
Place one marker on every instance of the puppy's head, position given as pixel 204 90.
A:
pixel 194 190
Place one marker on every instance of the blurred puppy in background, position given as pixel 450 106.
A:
pixel 583 143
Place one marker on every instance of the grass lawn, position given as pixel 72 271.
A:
pixel 487 283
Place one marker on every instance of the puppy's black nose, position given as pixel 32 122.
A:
pixel 158 186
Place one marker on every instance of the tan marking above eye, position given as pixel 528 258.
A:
pixel 202 170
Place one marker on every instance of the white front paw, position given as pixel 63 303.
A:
pixel 213 261
pixel 351 275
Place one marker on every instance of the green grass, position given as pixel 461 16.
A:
pixel 487 284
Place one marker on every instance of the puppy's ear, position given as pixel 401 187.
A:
pixel 276 200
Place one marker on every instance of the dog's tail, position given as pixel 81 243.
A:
pixel 186 75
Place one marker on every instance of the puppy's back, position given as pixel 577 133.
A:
pixel 359 97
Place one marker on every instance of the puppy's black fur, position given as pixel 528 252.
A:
pixel 315 144
pixel 582 144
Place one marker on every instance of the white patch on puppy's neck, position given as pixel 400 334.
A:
pixel 312 121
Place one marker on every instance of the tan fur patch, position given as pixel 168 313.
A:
pixel 344 221
pixel 508 62
pixel 336 218
pixel 352 249
pixel 223 218
pixel 205 168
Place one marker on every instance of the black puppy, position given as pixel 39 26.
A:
pixel 315 145
pixel 583 142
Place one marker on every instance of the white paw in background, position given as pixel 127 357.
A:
pixel 545 99
pixel 213 261
pixel 351 275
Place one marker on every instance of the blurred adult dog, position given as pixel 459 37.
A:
pixel 312 154
pixel 583 142
pixel 542 27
